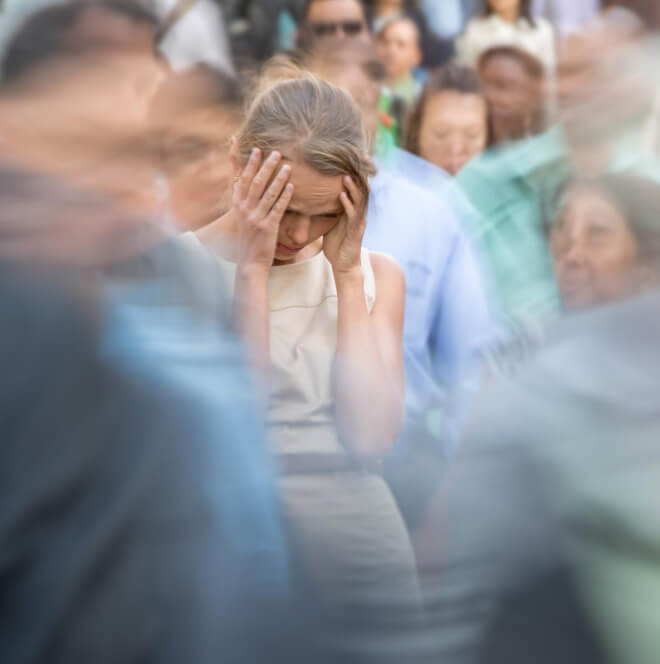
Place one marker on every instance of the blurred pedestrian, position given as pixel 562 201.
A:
pixel 400 50
pixel 447 318
pixel 333 19
pixel 515 88
pixel 508 23
pixel 449 125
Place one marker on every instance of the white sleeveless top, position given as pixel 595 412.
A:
pixel 303 344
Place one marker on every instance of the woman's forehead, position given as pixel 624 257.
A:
pixel 314 192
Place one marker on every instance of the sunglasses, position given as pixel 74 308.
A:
pixel 330 28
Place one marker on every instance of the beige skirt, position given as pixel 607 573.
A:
pixel 357 556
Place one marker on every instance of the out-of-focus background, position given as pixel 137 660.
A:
pixel 146 510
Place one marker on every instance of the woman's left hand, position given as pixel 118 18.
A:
pixel 343 244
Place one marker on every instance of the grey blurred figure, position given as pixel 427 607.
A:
pixel 138 518
pixel 545 538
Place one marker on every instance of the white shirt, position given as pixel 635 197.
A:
pixel 486 32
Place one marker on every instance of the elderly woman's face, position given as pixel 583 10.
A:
pixel 454 129
pixel 595 253
pixel 314 210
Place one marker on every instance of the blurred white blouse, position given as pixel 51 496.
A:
pixel 486 32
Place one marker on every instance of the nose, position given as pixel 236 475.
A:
pixel 574 256
pixel 456 146
pixel 298 231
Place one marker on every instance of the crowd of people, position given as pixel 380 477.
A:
pixel 330 331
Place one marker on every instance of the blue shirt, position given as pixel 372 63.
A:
pixel 447 318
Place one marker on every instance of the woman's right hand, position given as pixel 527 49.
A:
pixel 259 207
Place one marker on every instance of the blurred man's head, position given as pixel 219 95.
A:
pixel 399 48
pixel 196 113
pixel 356 68
pixel 78 82
pixel 333 19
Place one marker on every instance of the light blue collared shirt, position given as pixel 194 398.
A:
pixel 447 318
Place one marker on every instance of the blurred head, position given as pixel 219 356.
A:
pixel 449 124
pixel 318 130
pixel 399 47
pixel 339 19
pixel 196 113
pixel 606 240
pixel 514 85
pixel 357 69
pixel 509 10
pixel 78 83
pixel 63 42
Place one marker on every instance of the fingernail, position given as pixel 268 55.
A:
pixel 285 169
pixel 289 188
pixel 274 156
pixel 255 152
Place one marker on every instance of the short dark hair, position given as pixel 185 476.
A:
pixel 44 34
pixel 525 11
pixel 451 77
pixel 531 64
pixel 365 10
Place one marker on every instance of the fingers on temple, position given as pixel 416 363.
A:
pixel 274 190
pixel 262 178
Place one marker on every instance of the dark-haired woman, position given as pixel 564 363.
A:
pixel 514 85
pixel 508 23
pixel 449 124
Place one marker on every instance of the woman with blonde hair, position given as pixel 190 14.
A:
pixel 322 318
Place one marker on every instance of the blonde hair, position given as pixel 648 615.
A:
pixel 315 121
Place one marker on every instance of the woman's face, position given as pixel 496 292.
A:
pixel 314 210
pixel 594 251
pixel 506 8
pixel 454 129
pixel 514 97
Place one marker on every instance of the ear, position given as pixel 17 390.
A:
pixel 234 157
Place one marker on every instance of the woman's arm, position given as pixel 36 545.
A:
pixel 369 368
pixel 370 376
pixel 260 198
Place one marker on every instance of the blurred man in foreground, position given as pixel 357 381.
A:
pixel 138 519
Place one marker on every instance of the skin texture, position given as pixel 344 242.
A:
pixel 281 201
pixel 398 47
pixel 337 11
pixel 595 253
pixel 454 129
pixel 508 10
pixel 514 98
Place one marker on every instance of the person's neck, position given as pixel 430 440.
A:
pixel 395 81
pixel 509 17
